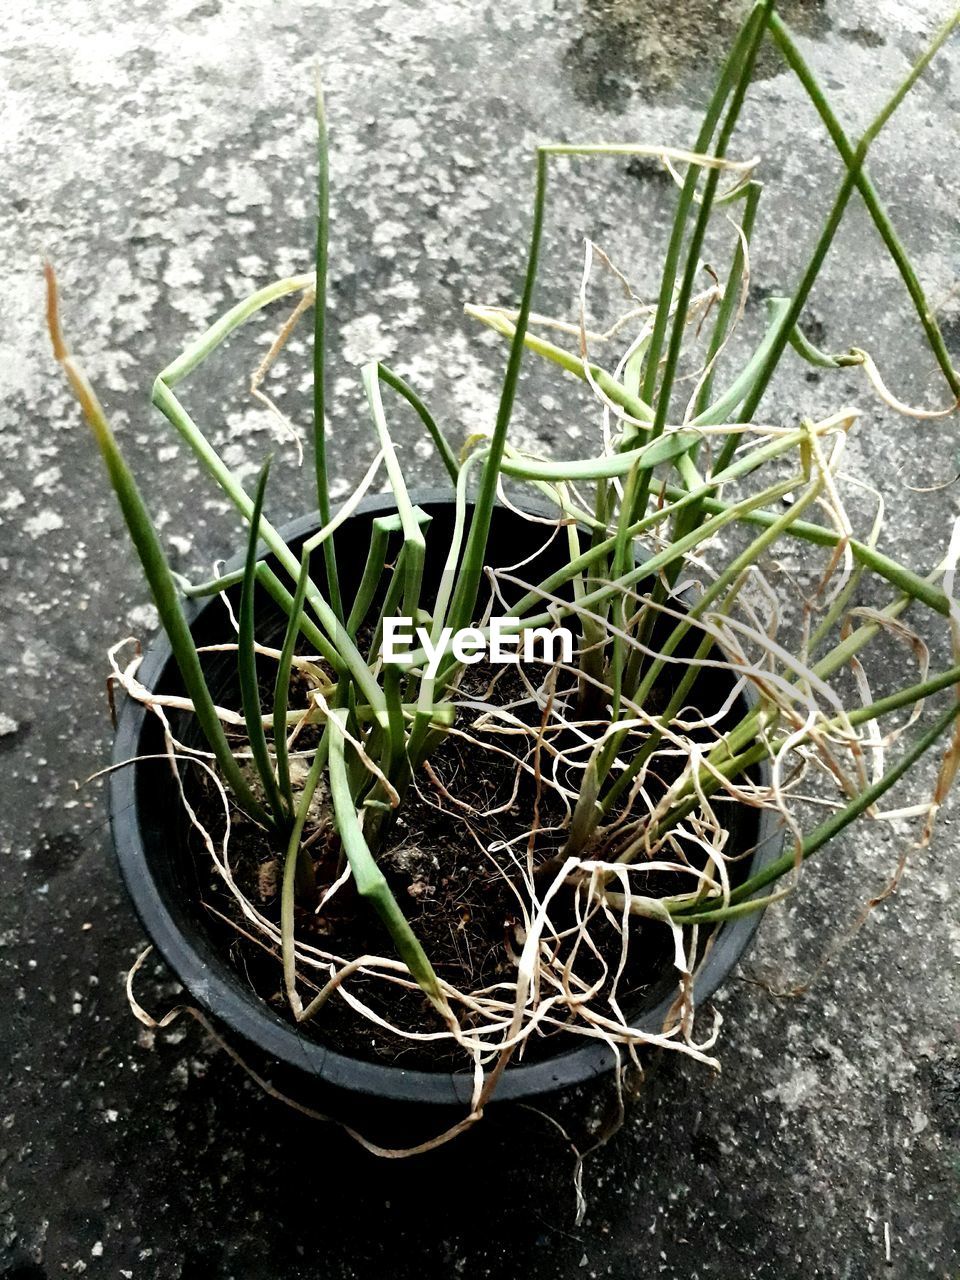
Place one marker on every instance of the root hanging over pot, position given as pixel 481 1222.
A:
pixel 542 933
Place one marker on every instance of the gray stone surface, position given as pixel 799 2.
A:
pixel 162 156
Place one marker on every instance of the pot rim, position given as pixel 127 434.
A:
pixel 246 1015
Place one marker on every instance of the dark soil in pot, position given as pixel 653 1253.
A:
pixel 461 908
pixel 453 890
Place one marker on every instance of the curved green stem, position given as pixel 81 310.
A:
pixel 816 839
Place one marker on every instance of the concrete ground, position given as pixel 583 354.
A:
pixel 161 155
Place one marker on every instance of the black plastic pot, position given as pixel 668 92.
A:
pixel 161 876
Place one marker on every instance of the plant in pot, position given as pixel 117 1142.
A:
pixel 470 795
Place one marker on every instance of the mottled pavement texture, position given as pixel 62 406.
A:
pixel 161 154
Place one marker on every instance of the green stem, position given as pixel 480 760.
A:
pixel 895 573
pixel 736 765
pixel 881 219
pixel 414 543
pixel 447 456
pixel 319 354
pixel 757 26
pixel 731 296
pixel 854 160
pixel 210 339
pixel 723 583
pixel 826 830
pixel 247 660
pixel 367 876
pixel 281 688
pixel 671 260
pixel 501 322
pixel 465 598
pixel 156 570
pixel 343 653
pixel 372 573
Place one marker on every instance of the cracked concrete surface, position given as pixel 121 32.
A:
pixel 161 155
